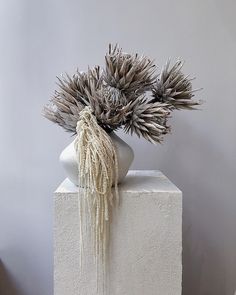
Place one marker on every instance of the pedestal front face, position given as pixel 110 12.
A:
pixel 145 242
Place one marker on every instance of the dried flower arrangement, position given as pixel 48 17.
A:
pixel 126 94
pixel 117 95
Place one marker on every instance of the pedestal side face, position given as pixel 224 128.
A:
pixel 145 243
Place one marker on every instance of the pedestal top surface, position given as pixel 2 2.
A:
pixel 142 181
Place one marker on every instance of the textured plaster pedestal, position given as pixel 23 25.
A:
pixel 145 244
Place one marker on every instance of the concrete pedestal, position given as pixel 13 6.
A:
pixel 145 242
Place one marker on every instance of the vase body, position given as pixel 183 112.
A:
pixel 125 156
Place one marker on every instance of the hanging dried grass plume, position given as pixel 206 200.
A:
pixel 97 173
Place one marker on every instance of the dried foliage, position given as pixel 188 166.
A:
pixel 118 95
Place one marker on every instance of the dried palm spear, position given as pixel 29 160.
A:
pixel 174 88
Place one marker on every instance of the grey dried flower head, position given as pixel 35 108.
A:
pixel 132 74
pixel 72 97
pixel 109 106
pixel 174 88
pixel 64 110
pixel 148 120
pixel 81 83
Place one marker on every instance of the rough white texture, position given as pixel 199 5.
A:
pixel 145 244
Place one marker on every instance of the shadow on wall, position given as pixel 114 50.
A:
pixel 7 284
pixel 206 175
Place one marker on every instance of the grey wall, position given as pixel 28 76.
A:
pixel 41 39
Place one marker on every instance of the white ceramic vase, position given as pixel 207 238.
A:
pixel 125 156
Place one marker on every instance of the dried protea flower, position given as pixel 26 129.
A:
pixel 109 106
pixel 174 88
pixel 64 110
pixel 71 98
pixel 81 83
pixel 148 120
pixel 132 74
